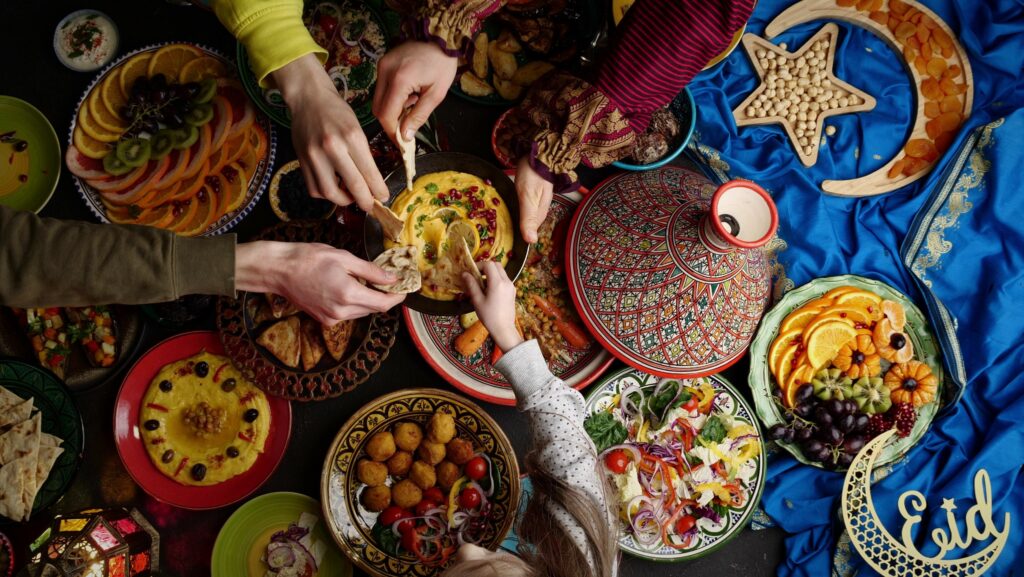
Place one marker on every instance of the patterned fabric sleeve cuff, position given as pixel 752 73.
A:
pixel 453 24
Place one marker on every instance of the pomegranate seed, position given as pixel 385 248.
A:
pixel 495 201
pixel 842 315
pixel 474 189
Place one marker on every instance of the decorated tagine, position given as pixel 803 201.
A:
pixel 667 269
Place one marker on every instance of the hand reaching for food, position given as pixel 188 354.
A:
pixel 496 306
pixel 535 193
pixel 319 279
pixel 328 138
pixel 417 75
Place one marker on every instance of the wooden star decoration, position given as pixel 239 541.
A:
pixel 799 90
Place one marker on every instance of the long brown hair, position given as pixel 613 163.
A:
pixel 546 549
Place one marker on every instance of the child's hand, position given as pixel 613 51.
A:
pixel 497 307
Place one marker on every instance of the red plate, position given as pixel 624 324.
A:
pixel 133 453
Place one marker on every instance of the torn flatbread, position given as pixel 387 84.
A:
pixel 13 477
pixel 8 399
pixel 44 463
pixel 21 441
pixel 401 261
pixel 17 413
pixel 447 272
pixel 311 347
pixel 390 223
pixel 282 340
pixel 408 149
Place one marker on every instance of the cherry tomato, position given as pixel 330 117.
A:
pixel 407 524
pixel 476 468
pixel 424 506
pixel 684 524
pixel 616 461
pixel 411 541
pixel 691 405
pixel 328 24
pixel 434 494
pixel 390 515
pixel 469 498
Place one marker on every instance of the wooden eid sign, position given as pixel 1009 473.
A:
pixel 898 558
pixel 938 66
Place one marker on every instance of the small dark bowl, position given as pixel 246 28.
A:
pixel 439 162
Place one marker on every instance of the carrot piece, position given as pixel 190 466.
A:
pixel 470 341
pixel 572 333
pixel 548 308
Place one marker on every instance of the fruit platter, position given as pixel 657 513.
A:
pixel 839 361
pixel 166 137
pixel 685 458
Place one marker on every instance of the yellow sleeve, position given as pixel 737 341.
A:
pixel 271 30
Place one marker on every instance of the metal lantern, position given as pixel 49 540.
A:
pixel 99 543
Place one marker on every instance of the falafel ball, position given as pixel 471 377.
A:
pixel 441 428
pixel 447 473
pixel 399 463
pixel 431 452
pixel 459 451
pixel 381 446
pixel 371 473
pixel 376 499
pixel 406 494
pixel 423 475
pixel 408 436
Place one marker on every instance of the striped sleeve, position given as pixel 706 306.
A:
pixel 660 46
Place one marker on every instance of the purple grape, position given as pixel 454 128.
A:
pixel 777 432
pixel 830 435
pixel 804 411
pixel 822 455
pixel 788 435
pixel 844 459
pixel 850 405
pixel 862 422
pixel 836 407
pixel 804 393
pixel 853 444
pixel 846 423
pixel 812 446
pixel 822 416
pixel 803 433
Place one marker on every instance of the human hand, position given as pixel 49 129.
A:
pixel 318 278
pixel 497 306
pixel 416 74
pixel 535 194
pixel 328 138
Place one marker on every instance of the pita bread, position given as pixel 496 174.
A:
pixel 13 477
pixel 447 273
pixel 400 260
pixel 465 263
pixel 16 414
pixel 48 440
pixel 282 340
pixel 311 346
pixel 8 399
pixel 336 338
pixel 21 441
pixel 44 463
pixel 281 307
pixel 408 148
pixel 390 223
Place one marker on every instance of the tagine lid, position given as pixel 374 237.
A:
pixel 662 285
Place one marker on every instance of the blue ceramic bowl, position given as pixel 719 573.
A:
pixel 686 112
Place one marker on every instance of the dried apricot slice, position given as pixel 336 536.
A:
pixel 950 104
pixel 880 17
pixel 923 33
pixel 921 148
pixel 897 168
pixel 921 65
pixel 913 166
pixel 933 128
pixel 949 87
pixel 944 141
pixel 931 90
pixel 936 66
pixel 932 109
pixel 898 7
pixel 905 30
pixel 949 121
pixel 953 71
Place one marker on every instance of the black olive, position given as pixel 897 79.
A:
pixel 199 471
pixel 202 369
pixel 168 456
pixel 232 452
pixel 251 415
pixel 21 146
pixel 897 341
pixel 151 425
pixel 166 386
pixel 228 385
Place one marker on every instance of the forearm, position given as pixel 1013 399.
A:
pixel 48 262
pixel 301 79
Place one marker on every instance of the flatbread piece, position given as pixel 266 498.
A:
pixel 336 337
pixel 282 340
pixel 311 347
pixel 390 223
pixel 400 260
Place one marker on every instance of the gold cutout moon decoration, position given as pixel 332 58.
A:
pixel 893 558
pixel 940 72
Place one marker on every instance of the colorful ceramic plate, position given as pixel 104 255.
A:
pixel 60 417
pixel 734 519
pixel 351 524
pixel 258 181
pixel 79 375
pixel 243 539
pixel 370 344
pixel 926 350
pixel 135 458
pixel 329 22
pixel 434 336
pixel 27 177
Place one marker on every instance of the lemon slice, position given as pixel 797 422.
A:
pixel 466 230
pixel 824 342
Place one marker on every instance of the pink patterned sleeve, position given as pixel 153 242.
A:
pixel 452 24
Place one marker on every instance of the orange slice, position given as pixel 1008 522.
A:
pixel 895 313
pixel 787 363
pixel 200 68
pixel 857 315
pixel 838 291
pixel 800 376
pixel 235 186
pixel 110 92
pixel 866 300
pixel 98 112
pixel 205 208
pixel 820 302
pixel 88 145
pixel 783 341
pixel 133 68
pixel 824 342
pixel 183 214
pixel 235 147
pixel 121 214
pixel 158 217
pixel 159 196
pixel 906 354
pixel 799 318
pixel 171 59
pixel 826 317
pixel 91 128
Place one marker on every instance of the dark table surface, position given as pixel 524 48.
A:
pixel 32 72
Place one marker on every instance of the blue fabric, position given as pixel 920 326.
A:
pixel 979 282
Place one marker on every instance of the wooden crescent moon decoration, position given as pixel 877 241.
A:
pixel 938 65
pixel 884 553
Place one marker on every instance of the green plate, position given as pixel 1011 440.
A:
pixel 244 537
pixel 60 417
pixel 926 350
pixel 727 401
pixel 29 125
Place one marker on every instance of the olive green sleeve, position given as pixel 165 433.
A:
pixel 47 262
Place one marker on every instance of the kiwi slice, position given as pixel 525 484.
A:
pixel 185 137
pixel 161 144
pixel 133 151
pixel 113 165
pixel 207 90
pixel 199 115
